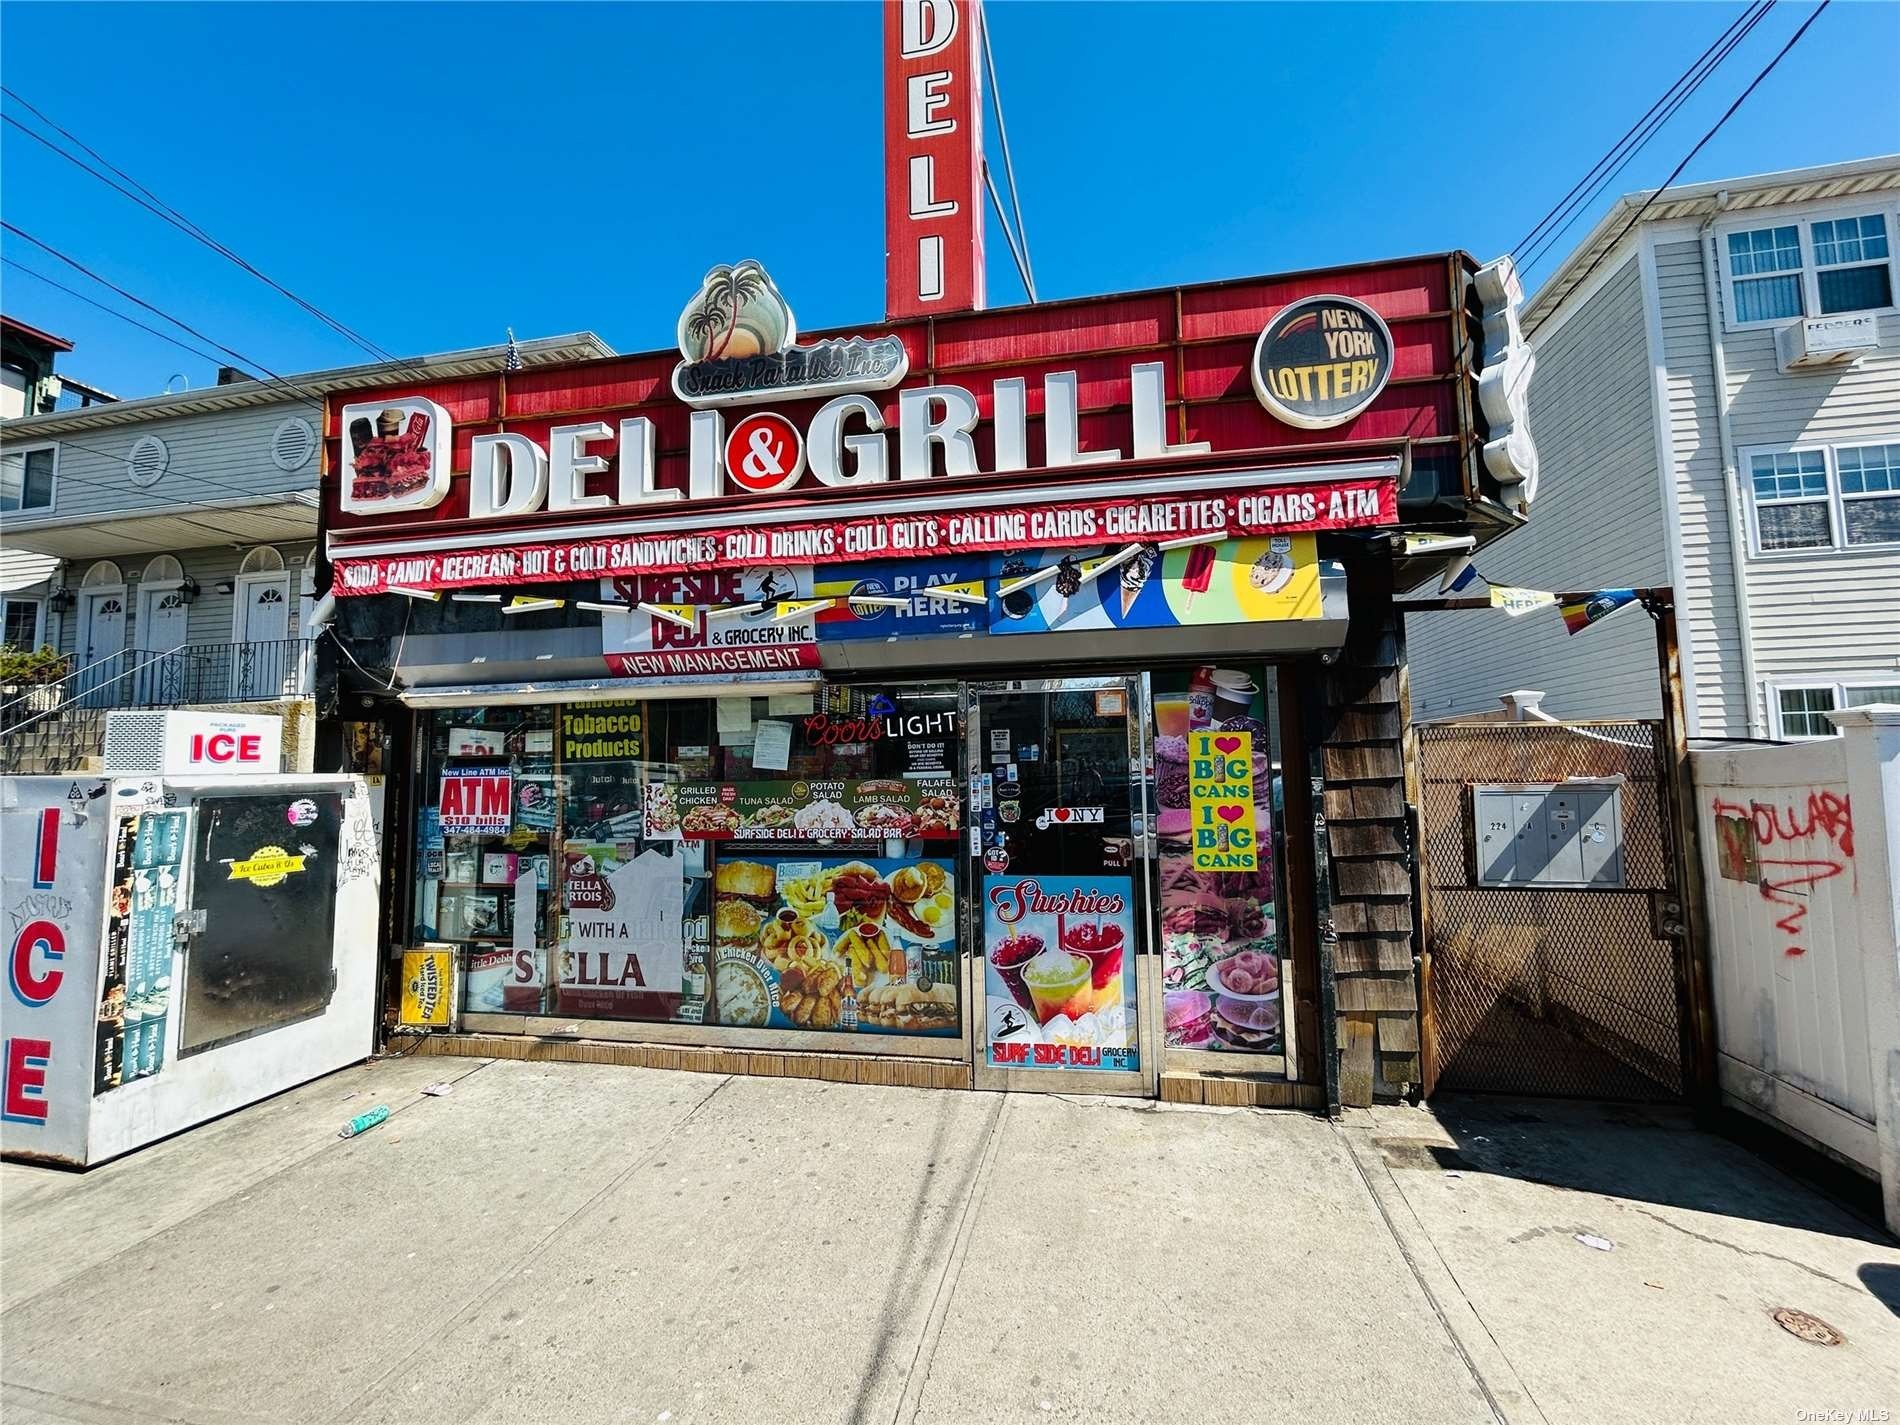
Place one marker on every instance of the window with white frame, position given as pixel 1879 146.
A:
pixel 1827 497
pixel 25 618
pixel 1816 268
pixel 1765 265
pixel 1851 264
pixel 1870 493
pixel 1791 500
pixel 26 478
pixel 1801 709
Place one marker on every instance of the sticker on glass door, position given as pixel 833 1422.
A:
pixel 1058 975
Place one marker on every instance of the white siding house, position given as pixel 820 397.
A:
pixel 165 545
pixel 1681 447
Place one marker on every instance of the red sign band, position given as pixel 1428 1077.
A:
pixel 1275 509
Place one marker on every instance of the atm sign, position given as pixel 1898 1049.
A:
pixel 477 800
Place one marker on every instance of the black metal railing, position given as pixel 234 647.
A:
pixel 178 677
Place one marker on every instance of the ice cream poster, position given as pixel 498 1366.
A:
pixel 1220 801
pixel 1234 581
pixel 1059 973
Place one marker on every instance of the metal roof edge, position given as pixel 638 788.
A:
pixel 1559 287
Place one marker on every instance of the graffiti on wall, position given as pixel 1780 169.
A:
pixel 1754 843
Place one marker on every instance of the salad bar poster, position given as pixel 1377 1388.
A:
pixel 868 809
pixel 1059 972
pixel 865 945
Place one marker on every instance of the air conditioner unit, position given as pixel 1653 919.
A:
pixel 1826 341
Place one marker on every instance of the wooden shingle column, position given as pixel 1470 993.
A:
pixel 1361 738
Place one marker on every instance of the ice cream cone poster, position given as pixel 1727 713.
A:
pixel 1220 801
pixel 1269 578
pixel 1059 972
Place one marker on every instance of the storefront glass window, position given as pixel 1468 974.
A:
pixel 772 862
pixel 1218 794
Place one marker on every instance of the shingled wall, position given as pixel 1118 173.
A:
pixel 1360 736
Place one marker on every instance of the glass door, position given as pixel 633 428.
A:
pixel 1060 915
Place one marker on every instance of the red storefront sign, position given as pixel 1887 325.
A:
pixel 1364 502
pixel 1058 425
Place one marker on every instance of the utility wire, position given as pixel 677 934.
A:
pixel 1582 183
pixel 1009 167
pixel 165 211
pixel 81 268
pixel 1727 46
pixel 74 292
pixel 67 477
pixel 1701 143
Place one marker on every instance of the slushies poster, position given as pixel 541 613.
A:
pixel 1059 972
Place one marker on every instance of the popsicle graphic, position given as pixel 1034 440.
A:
pixel 1198 574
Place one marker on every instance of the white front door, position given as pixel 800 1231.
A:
pixel 266 662
pixel 163 615
pixel 101 635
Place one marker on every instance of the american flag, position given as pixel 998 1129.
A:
pixel 513 360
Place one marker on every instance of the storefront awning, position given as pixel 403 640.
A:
pixel 600 690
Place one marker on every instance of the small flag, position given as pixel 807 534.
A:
pixel 1461 573
pixel 1516 602
pixel 512 362
pixel 1579 614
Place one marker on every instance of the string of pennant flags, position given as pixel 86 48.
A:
pixel 1579 611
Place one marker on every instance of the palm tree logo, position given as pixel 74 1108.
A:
pixel 737 312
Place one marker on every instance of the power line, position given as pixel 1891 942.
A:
pixel 1756 8
pixel 74 292
pixel 81 268
pixel 1555 234
pixel 1702 142
pixel 165 211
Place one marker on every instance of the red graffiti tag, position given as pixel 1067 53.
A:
pixel 1828 815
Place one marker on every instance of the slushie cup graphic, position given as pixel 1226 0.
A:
pixel 1009 955
pixel 1058 984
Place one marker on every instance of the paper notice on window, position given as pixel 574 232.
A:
pixel 788 704
pixel 734 715
pixel 772 747
pixel 525 885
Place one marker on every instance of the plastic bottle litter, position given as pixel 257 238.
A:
pixel 363 1122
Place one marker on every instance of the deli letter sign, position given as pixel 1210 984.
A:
pixel 933 151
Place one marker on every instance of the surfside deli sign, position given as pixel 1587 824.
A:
pixel 739 347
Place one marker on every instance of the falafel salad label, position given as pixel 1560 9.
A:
pixel 867 809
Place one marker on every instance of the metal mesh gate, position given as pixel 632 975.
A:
pixel 1547 991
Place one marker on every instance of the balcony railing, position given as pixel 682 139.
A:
pixel 179 677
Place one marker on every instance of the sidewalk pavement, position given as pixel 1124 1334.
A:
pixel 577 1243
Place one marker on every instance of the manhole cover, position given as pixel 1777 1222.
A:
pixel 1808 1328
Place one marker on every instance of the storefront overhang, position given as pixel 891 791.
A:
pixel 600 690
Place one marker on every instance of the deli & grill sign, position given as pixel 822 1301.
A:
pixel 1320 363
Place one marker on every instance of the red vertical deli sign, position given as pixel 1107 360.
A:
pixel 933 157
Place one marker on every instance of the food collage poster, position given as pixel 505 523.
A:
pixel 1059 972
pixel 836 943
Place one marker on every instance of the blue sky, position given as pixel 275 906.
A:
pixel 430 174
